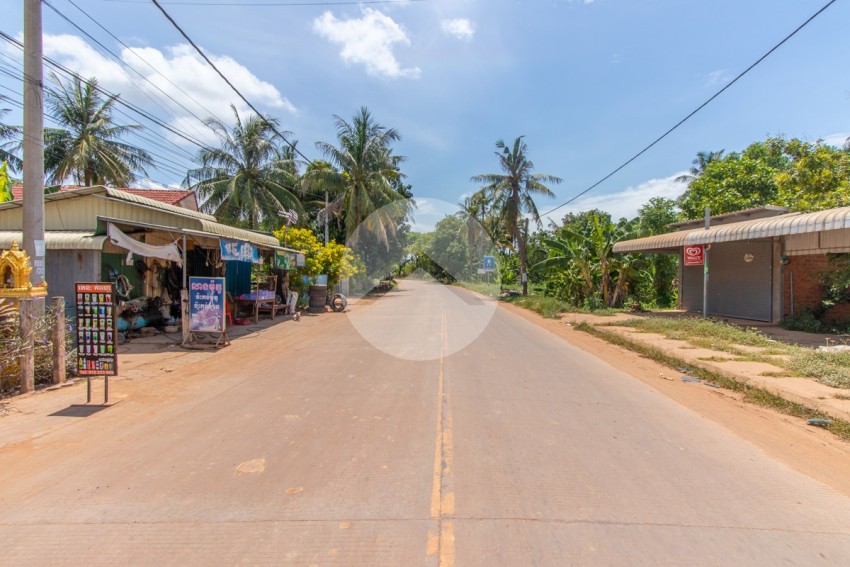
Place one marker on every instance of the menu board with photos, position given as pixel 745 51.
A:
pixel 96 330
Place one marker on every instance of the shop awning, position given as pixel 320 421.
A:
pixel 783 225
pixel 261 240
pixel 57 240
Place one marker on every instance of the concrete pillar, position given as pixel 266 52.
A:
pixel 59 340
pixel 28 356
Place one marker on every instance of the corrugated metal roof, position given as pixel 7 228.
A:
pixel 119 195
pixel 239 234
pixel 57 240
pixel 793 223
pixel 668 241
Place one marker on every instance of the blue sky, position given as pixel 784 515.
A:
pixel 588 83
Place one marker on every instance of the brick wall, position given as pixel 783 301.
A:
pixel 808 292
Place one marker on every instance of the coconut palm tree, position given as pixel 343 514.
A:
pixel 699 164
pixel 251 179
pixel 511 194
pixel 9 136
pixel 364 177
pixel 87 147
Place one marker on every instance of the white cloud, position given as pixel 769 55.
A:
pixel 177 71
pixel 838 139
pixel 461 28
pixel 368 40
pixel 625 203
pixel 717 77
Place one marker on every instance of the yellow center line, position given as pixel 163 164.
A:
pixel 442 542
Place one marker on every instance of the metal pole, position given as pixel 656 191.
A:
pixel 705 267
pixel 33 144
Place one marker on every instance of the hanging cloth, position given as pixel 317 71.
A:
pixel 165 252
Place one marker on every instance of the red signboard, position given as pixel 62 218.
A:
pixel 694 256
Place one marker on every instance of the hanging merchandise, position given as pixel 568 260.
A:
pixel 166 252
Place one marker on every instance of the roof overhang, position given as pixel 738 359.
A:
pixel 260 240
pixel 57 240
pixel 783 225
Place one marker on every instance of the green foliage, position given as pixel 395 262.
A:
pixel 5 185
pixel 818 177
pixel 249 181
pixel 369 195
pixel 510 194
pixel 807 321
pixel 830 368
pixel 88 147
pixel 334 260
pixel 800 175
pixel 733 183
pixel 9 138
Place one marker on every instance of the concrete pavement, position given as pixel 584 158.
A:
pixel 460 435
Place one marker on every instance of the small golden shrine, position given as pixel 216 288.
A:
pixel 15 272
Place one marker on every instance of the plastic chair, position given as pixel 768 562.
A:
pixel 229 308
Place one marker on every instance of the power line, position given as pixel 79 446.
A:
pixel 143 60
pixel 271 4
pixel 700 107
pixel 226 80
pixel 124 64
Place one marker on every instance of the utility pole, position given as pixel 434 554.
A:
pixel 33 146
pixel 326 218
pixel 705 266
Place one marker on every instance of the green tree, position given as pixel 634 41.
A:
pixel 251 179
pixel 512 194
pixel 736 182
pixel 364 178
pixel 659 269
pixel 699 164
pixel 9 138
pixel 818 177
pixel 88 147
pixel 5 185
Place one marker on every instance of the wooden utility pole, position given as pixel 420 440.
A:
pixel 33 145
pixel 59 340
pixel 27 361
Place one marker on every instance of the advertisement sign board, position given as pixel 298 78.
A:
pixel 694 256
pixel 239 251
pixel 206 305
pixel 97 338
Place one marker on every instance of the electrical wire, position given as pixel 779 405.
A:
pixel 123 63
pixel 143 60
pixel 231 85
pixel 700 107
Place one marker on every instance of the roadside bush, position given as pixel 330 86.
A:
pixel 12 349
pixel 805 321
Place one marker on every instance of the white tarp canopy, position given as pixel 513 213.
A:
pixel 164 252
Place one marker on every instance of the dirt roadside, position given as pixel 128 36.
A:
pixel 810 450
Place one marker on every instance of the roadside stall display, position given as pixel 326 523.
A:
pixel 97 335
pixel 206 308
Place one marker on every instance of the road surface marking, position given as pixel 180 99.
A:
pixel 251 467
pixel 442 504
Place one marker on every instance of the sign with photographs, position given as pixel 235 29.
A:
pixel 206 305
pixel 96 330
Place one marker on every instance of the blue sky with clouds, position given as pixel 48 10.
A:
pixel 589 83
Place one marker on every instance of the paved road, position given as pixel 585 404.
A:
pixel 428 428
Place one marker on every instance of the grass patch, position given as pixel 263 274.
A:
pixel 548 307
pixel 751 394
pixel 707 331
pixel 830 368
